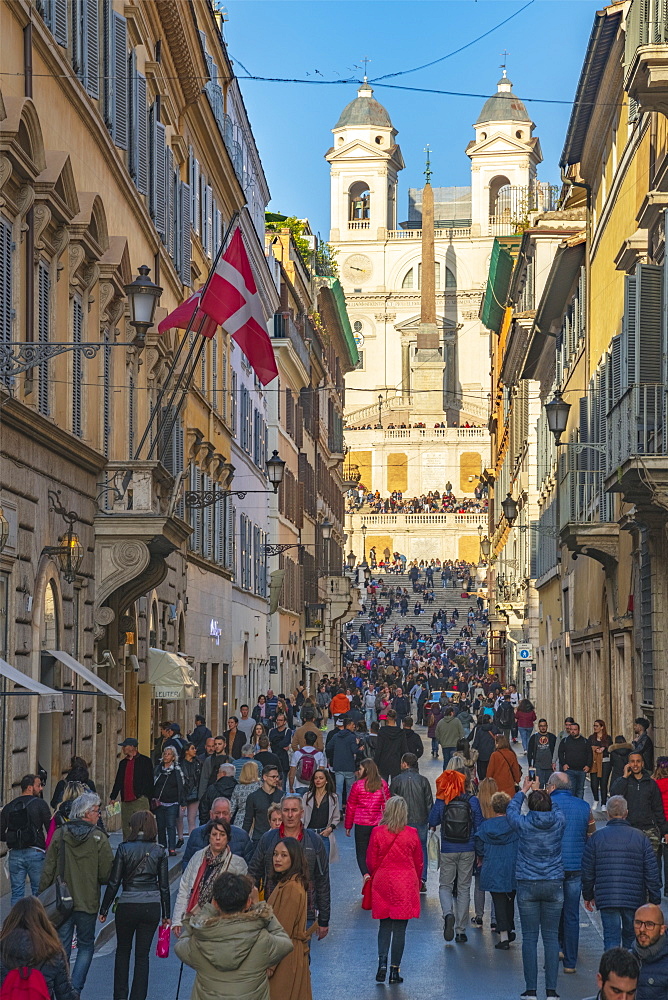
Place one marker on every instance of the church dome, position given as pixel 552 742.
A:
pixel 504 106
pixel 364 110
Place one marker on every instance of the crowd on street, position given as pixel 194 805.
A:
pixel 252 816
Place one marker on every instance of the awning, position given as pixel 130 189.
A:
pixel 49 700
pixel 319 660
pixel 501 263
pixel 564 273
pixel 87 675
pixel 170 676
pixel 275 588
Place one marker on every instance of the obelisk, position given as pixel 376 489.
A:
pixel 427 364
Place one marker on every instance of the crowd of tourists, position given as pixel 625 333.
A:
pixel 252 816
pixel 429 503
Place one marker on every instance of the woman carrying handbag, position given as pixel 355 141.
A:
pixel 168 797
pixel 140 866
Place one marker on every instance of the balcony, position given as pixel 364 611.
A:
pixel 451 434
pixel 359 224
pixel 646 55
pixel 286 331
pixel 135 532
pixel 637 462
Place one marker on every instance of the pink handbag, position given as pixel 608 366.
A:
pixel 162 947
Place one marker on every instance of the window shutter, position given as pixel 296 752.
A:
pixel 186 246
pixel 91 48
pixel 117 82
pixel 196 218
pixel 43 295
pixel 106 394
pixel 218 234
pixel 168 238
pixel 60 21
pixel 142 136
pixel 214 372
pixel 6 264
pixel 131 415
pixel 628 359
pixel 203 379
pixel 157 146
pixel 615 382
pixel 650 351
pixel 77 367
pixel 209 221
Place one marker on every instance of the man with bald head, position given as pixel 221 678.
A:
pixel 651 948
pixel 240 842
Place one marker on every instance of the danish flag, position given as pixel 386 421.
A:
pixel 230 300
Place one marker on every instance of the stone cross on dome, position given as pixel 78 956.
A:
pixel 366 62
pixel 503 66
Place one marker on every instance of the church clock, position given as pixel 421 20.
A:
pixel 357 268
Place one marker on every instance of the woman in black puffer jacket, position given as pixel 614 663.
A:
pixel 140 866
pixel 28 940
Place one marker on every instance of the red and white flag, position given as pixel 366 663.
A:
pixel 231 299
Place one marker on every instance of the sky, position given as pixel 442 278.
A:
pixel 292 122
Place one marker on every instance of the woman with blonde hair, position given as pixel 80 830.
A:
pixel 72 791
pixel 249 782
pixel 394 860
pixel 487 789
pixel 366 802
pixel 28 940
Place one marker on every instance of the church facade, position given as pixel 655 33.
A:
pixel 417 410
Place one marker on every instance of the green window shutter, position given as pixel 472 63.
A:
pixel 649 347
pixel 628 344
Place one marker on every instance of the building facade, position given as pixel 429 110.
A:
pixel 417 405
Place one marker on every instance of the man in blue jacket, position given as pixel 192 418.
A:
pixel 651 948
pixel 341 752
pixel 619 873
pixel 580 824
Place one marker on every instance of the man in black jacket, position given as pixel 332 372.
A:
pixel 261 867
pixel 133 782
pixel 390 747
pixel 258 802
pixel 505 716
pixel 401 705
pixel 576 757
pixel 415 788
pixel 223 787
pixel 643 798
pixel 342 752
pixel 280 738
pixel 413 740
pixel 540 752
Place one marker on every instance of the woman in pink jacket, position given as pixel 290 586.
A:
pixel 395 863
pixel 364 809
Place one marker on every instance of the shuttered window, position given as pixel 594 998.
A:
pixel 115 83
pixel 194 175
pixel 214 372
pixel 168 239
pixel 43 299
pixel 6 285
pixel 209 221
pixel 138 126
pixel 156 162
pixel 77 368
pixel 106 395
pixel 185 254
pixel 56 16
pixel 86 44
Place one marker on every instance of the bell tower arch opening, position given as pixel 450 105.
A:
pixel 359 202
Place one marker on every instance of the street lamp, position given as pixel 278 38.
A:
pixel 351 559
pixel 364 530
pixel 509 507
pixel 275 470
pixel 380 408
pixel 143 297
pixel 69 552
pixel 557 411
pixel 326 529
pixel 485 546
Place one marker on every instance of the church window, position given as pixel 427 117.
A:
pixel 483 135
pixel 499 200
pixel 359 202
pixel 341 140
pixel 379 140
pixel 519 134
pixel 409 277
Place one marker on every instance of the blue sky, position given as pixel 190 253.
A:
pixel 546 43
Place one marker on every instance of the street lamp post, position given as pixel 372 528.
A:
pixel 380 409
pixel 326 532
pixel 69 552
pixel 199 499
pixel 364 530
pixel 143 297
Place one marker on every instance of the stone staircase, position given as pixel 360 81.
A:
pixel 444 597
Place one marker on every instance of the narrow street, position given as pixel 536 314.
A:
pixel 345 962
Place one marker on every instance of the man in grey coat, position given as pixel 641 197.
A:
pixel 415 788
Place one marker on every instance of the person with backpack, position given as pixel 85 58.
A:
pixel 505 716
pixel 32 959
pixel 305 761
pixel 24 823
pixel 458 815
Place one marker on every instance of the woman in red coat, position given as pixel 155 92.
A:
pixel 394 859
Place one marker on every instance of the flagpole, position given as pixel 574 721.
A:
pixel 172 368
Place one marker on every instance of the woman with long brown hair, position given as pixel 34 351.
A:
pixel 29 941
pixel 599 775
pixel 291 978
pixel 504 766
pixel 364 809
pixel 321 806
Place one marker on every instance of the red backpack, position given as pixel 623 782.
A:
pixel 24 984
pixel 306 764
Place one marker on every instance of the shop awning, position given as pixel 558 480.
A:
pixel 319 660
pixel 49 700
pixel 87 675
pixel 170 676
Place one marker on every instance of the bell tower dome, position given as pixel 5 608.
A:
pixel 504 156
pixel 364 164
